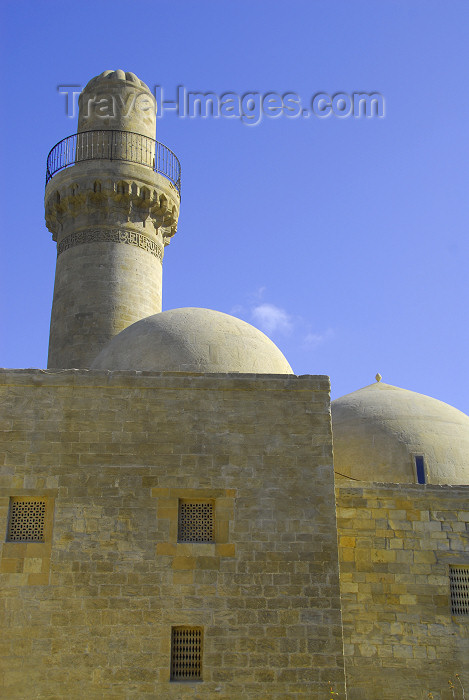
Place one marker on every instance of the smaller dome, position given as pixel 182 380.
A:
pixel 111 75
pixel 192 340
pixel 378 432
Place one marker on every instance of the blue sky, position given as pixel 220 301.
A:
pixel 344 239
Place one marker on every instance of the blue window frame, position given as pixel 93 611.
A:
pixel 420 469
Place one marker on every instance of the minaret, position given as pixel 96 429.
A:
pixel 112 204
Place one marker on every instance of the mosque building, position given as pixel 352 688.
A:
pixel 183 516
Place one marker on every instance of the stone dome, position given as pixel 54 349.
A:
pixel 380 429
pixel 118 100
pixel 192 340
pixel 111 75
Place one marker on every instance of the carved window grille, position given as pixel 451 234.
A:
pixel 27 520
pixel 195 521
pixel 186 653
pixel 459 587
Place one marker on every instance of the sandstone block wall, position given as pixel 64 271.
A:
pixel 396 544
pixel 91 614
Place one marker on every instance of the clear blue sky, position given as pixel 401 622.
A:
pixel 345 239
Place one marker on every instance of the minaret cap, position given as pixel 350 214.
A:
pixel 117 100
pixel 110 75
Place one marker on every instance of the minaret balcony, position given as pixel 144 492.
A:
pixel 112 145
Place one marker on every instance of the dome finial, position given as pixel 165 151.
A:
pixel 378 377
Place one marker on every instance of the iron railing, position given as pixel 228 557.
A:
pixel 114 145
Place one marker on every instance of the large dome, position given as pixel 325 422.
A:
pixel 379 430
pixel 193 340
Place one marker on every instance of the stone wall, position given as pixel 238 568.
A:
pixel 88 613
pixel 396 544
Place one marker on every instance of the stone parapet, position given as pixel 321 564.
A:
pixel 99 192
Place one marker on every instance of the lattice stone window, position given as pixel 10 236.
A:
pixel 26 520
pixel 459 587
pixel 186 653
pixel 195 521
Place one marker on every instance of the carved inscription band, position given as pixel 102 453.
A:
pixel 115 235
